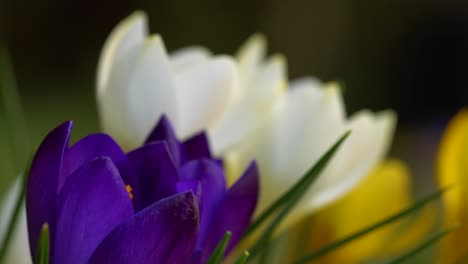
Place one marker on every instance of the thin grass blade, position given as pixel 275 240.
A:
pixel 429 242
pixel 242 258
pixel 218 254
pixel 293 197
pixel 43 246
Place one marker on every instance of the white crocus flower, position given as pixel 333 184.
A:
pixel 246 106
pixel 305 122
pixel 287 129
pixel 138 82
pixel 18 252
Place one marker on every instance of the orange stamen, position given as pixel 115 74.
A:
pixel 129 190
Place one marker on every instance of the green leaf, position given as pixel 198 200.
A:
pixel 290 199
pixel 218 254
pixel 11 227
pixel 16 124
pixel 16 128
pixel 43 245
pixel 300 187
pixel 406 212
pixel 242 258
pixel 429 242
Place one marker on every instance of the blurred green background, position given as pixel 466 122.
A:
pixel 411 56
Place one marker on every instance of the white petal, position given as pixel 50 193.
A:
pixel 247 114
pixel 117 61
pixel 188 57
pixel 151 90
pixel 128 33
pixel 270 82
pixel 304 82
pixel 359 154
pixel 305 124
pixel 204 92
pixel 349 164
pixel 19 247
pixel 250 58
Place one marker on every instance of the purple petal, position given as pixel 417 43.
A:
pixel 41 195
pixel 100 145
pixel 93 202
pixel 165 132
pixel 235 211
pixel 156 172
pixel 197 147
pixel 190 185
pixel 213 187
pixel 164 232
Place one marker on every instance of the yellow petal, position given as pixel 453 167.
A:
pixel 452 168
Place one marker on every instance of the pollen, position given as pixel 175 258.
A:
pixel 129 190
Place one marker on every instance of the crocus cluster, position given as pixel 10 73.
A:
pixel 165 202
pixel 249 107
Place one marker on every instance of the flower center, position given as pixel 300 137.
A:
pixel 129 190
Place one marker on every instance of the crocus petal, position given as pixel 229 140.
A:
pixel 151 90
pixel 116 63
pixel 197 147
pixel 306 123
pixel 364 148
pixel 203 94
pixel 188 57
pixel 156 172
pixel 190 185
pixel 234 212
pixel 92 203
pixel 18 252
pixel 165 232
pixel 163 131
pixel 41 195
pixel 250 57
pixel 304 82
pixel 242 119
pixel 187 186
pixel 213 186
pixel 99 145
pixel 125 36
pixel 452 170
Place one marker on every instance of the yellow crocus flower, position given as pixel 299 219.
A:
pixel 452 169
pixel 384 192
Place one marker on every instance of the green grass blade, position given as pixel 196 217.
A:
pixel 242 258
pixel 334 245
pixel 11 227
pixel 429 242
pixel 300 186
pixel 263 243
pixel 43 246
pixel 16 124
pixel 218 254
pixel 293 196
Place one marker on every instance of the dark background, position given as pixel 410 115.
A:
pixel 411 56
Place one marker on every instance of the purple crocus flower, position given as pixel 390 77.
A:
pixel 165 202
